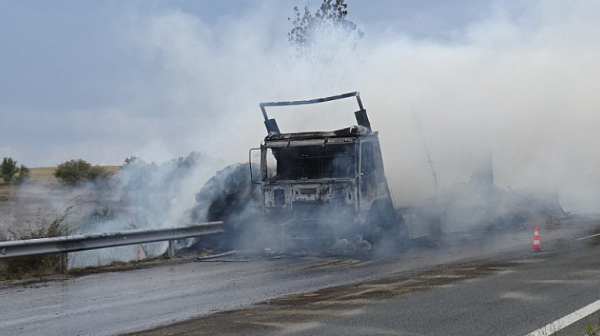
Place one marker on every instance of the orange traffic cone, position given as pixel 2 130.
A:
pixel 536 241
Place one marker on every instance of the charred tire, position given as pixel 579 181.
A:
pixel 376 228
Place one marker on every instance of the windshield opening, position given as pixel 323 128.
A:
pixel 311 162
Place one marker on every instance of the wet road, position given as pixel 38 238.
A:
pixel 518 297
pixel 111 303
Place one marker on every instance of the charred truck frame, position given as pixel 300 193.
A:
pixel 327 185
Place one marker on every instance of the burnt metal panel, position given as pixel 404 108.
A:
pixel 271 126
pixel 311 101
pixel 353 131
pixel 362 119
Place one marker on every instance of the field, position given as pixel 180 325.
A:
pixel 42 198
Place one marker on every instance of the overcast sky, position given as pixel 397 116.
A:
pixel 106 80
pixel 86 79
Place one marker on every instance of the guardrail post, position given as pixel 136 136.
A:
pixel 171 249
pixel 64 262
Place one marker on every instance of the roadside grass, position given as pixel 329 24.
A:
pixel 27 223
pixel 46 222
pixel 42 174
pixel 41 265
pixel 592 330
pixel 44 265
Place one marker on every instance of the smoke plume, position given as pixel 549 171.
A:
pixel 523 86
pixel 519 82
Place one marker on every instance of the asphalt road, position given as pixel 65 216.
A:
pixel 111 303
pixel 514 301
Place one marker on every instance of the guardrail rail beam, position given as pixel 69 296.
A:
pixel 91 241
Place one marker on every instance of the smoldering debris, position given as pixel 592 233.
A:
pixel 231 197
pixel 356 246
pixel 231 256
pixel 477 206
pixel 226 194
pixel 480 206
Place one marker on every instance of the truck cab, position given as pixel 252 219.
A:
pixel 326 185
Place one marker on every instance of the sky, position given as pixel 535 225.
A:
pixel 97 80
pixel 107 80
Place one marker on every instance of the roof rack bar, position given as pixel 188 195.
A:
pixel 311 101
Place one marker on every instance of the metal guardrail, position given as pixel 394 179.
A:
pixel 91 241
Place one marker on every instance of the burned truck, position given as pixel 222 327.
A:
pixel 327 186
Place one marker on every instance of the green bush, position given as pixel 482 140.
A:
pixel 77 171
pixel 97 173
pixel 72 172
pixel 23 174
pixel 11 173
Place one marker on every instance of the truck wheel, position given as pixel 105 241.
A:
pixel 376 229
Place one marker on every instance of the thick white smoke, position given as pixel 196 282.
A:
pixel 143 196
pixel 523 85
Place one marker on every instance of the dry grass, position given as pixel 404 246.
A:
pixel 43 174
pixel 28 212
pixel 40 265
pixel 44 194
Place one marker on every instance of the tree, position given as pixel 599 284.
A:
pixel 98 174
pixel 72 171
pixel 11 173
pixel 8 169
pixel 131 160
pixel 330 15
pixel 23 174
pixel 76 171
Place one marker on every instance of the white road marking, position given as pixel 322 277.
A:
pixel 592 236
pixel 566 321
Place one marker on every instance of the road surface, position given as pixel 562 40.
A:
pixel 113 303
pixel 519 295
